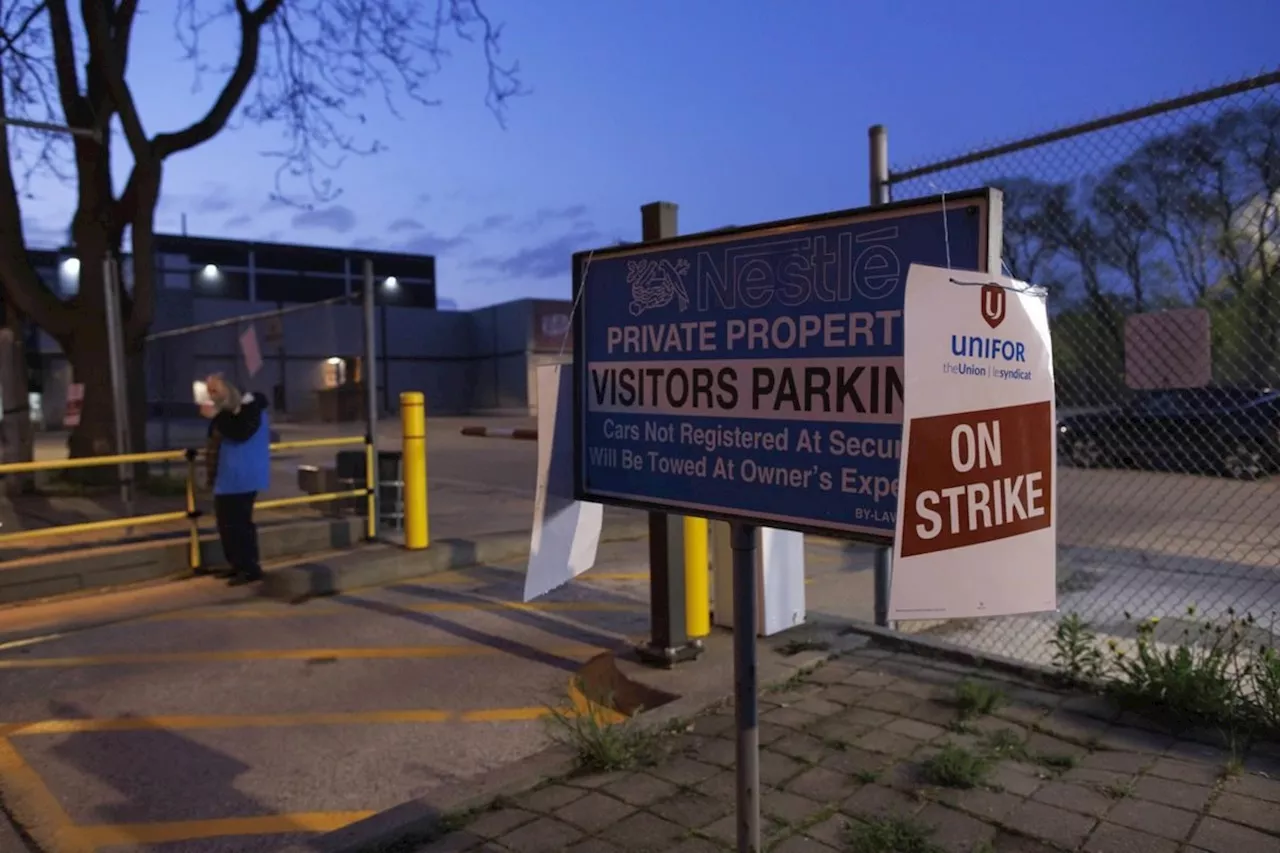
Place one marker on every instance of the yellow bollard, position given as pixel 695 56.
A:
pixel 413 426
pixel 697 579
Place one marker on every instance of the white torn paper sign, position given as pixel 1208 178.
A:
pixel 252 354
pixel 566 532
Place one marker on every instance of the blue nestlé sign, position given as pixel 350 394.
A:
pixel 756 374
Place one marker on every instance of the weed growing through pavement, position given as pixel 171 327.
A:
pixel 599 743
pixel 1222 674
pixel 1075 650
pixel 1119 790
pixel 891 835
pixel 1056 761
pixel 977 698
pixel 956 767
pixel 1008 744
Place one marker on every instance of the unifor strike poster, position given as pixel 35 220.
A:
pixel 975 532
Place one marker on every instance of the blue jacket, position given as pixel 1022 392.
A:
pixel 244 448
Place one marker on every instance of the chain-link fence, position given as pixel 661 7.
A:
pixel 1157 234
pixel 305 359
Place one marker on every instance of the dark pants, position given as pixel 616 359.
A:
pixel 238 533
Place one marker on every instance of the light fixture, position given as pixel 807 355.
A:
pixel 71 266
pixel 209 273
pixel 334 360
pixel 391 282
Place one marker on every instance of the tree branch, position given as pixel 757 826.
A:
pixel 74 106
pixel 251 21
pixel 18 281
pixel 11 40
pixel 106 60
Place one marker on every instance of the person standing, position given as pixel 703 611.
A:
pixel 241 469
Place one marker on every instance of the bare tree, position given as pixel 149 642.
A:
pixel 1031 242
pixel 303 65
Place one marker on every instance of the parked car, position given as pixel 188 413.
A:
pixel 1232 431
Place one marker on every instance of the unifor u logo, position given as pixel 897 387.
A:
pixel 993 305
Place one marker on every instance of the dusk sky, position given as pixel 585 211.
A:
pixel 740 112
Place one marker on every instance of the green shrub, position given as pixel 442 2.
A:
pixel 1214 674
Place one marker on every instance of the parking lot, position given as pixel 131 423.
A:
pixel 244 726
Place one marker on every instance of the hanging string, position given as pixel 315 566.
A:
pixel 573 310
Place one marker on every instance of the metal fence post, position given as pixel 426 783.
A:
pixel 669 636
pixel 370 376
pixel 878 149
pixel 119 375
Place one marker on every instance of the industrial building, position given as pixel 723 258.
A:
pixel 310 360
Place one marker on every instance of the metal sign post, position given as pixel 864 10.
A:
pixel 745 686
pixel 370 377
pixel 878 148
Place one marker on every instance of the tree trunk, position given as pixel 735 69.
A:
pixel 17 438
pixel 96 434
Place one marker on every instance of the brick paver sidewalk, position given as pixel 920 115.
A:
pixel 868 754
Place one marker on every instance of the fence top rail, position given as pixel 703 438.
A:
pixel 1261 81
pixel 353 297
pixel 159 456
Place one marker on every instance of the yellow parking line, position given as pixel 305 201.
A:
pixel 245 721
pixel 31 801
pixel 380 653
pixel 190 830
pixel 286 611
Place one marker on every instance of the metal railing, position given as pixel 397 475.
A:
pixel 192 513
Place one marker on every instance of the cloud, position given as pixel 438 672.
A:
pixel 543 261
pixel 537 221
pixel 547 215
pixel 235 222
pixel 405 224
pixel 492 222
pixel 337 217
pixel 209 198
pixel 431 244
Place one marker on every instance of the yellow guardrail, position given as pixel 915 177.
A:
pixel 91 462
pixel 192 513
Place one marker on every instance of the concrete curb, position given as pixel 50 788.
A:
pixel 420 818
pixel 941 650
pixel 357 571
pixel 518 433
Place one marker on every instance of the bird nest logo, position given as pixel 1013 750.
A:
pixel 654 284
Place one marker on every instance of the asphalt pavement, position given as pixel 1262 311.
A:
pixel 236 725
